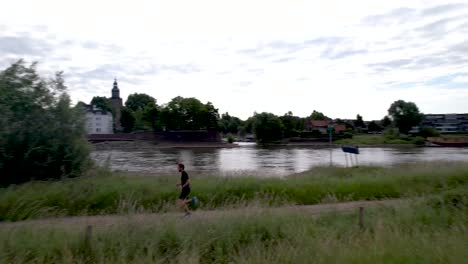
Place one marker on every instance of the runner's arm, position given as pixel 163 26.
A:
pixel 186 183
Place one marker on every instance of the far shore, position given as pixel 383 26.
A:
pixel 139 144
pixel 175 145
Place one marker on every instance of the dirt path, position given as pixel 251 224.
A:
pixel 107 220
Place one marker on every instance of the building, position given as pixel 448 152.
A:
pixel 116 103
pixel 322 126
pixel 446 123
pixel 98 121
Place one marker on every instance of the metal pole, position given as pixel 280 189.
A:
pixel 361 217
pixel 330 139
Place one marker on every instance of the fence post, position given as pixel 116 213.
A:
pixel 361 217
pixel 88 234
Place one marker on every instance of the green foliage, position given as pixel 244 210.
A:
pixel 141 113
pixel 41 136
pixel 267 128
pixel 127 119
pixel 107 193
pixel 405 115
pixel 139 101
pixel 429 132
pixel 229 124
pixel 318 116
pixel 418 140
pixel 103 103
pixel 392 133
pixel 359 121
pixel 293 125
pixel 230 139
pixel 375 140
pixel 374 127
pixel 150 116
pixel 189 114
pixel 386 122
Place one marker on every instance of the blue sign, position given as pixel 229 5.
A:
pixel 350 149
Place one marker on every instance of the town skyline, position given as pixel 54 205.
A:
pixel 339 58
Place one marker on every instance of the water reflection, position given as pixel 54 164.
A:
pixel 263 161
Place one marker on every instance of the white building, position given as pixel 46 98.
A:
pixel 98 121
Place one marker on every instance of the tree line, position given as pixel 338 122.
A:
pixel 141 112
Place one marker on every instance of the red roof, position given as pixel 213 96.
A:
pixel 319 123
pixel 339 128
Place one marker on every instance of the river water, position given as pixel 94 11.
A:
pixel 257 161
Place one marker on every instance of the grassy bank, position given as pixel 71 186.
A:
pixel 429 231
pixel 118 193
pixel 379 139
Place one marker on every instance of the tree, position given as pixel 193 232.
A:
pixel 80 105
pixel 229 124
pixel 267 128
pixel 189 114
pixel 386 122
pixel 318 116
pixel 102 102
pixel 359 121
pixel 127 119
pixel 374 127
pixel 142 112
pixel 150 116
pixel 292 124
pixel 138 101
pixel 41 136
pixel 405 115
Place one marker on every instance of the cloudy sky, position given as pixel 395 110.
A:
pixel 338 57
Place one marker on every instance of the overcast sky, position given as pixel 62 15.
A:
pixel 338 57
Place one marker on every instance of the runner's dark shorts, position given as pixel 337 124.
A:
pixel 184 194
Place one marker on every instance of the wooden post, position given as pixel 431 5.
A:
pixel 361 217
pixel 88 234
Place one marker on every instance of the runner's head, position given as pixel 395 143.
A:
pixel 180 167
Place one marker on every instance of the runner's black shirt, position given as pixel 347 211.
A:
pixel 184 178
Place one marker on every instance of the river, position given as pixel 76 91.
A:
pixel 257 161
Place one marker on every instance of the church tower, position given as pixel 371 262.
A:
pixel 116 103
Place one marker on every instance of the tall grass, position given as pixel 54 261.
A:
pixel 425 232
pixel 114 193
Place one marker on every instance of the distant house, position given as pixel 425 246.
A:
pixel 340 128
pixel 322 126
pixel 98 121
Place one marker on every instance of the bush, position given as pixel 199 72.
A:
pixel 41 136
pixel 312 134
pixel 392 133
pixel 230 139
pixel 418 141
pixel 429 132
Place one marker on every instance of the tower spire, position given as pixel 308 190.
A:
pixel 115 89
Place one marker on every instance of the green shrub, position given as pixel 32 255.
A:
pixel 41 137
pixel 392 133
pixel 230 138
pixel 418 140
pixel 429 132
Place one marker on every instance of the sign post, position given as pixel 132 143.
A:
pixel 351 150
pixel 330 131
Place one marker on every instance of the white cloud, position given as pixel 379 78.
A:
pixel 461 79
pixel 338 57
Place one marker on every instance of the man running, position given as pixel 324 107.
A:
pixel 184 188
